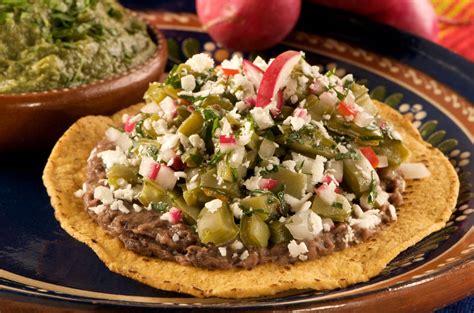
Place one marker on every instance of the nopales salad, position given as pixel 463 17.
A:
pixel 246 163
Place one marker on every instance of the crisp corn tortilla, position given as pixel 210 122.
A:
pixel 428 206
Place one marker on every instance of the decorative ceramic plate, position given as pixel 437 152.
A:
pixel 40 263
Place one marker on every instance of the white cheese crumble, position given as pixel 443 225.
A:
pixel 223 251
pixel 253 183
pixel 103 194
pixel 244 255
pixel 262 117
pixel 236 245
pixel 260 63
pixel 118 205
pixel 296 250
pixel 137 208
pixel 328 224
pixel 188 83
pixel 97 209
pixel 369 219
pixel 79 193
pixel 298 204
pixel 120 139
pixel 289 164
pixel 125 194
pixel 197 142
pixel 304 225
pixel 236 210
pixel 200 62
pixel 112 157
pixel 295 122
pixel 160 127
pixel 213 205
pixel 175 237
pixel 151 108
pixel 393 212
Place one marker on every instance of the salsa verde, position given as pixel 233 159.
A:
pixel 54 44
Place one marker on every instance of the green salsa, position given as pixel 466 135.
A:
pixel 54 44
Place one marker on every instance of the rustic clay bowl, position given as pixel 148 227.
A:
pixel 35 120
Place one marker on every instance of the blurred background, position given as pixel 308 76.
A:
pixel 449 23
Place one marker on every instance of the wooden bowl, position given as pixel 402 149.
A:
pixel 35 120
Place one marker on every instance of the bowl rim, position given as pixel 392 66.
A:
pixel 161 45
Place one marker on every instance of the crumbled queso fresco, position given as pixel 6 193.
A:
pixel 248 162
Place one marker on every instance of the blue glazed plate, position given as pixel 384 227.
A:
pixel 40 263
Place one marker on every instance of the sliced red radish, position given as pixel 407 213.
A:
pixel 414 170
pixel 250 102
pixel 175 215
pixel 227 143
pixel 300 112
pixel 176 163
pixel 252 72
pixel 268 183
pixel 166 178
pixel 129 126
pixel 329 178
pixel 168 105
pixel 275 79
pixel 370 155
pixel 230 71
pixel 149 168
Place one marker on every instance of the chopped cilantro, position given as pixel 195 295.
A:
pixel 284 208
pixel 216 158
pixel 152 151
pixel 348 84
pixel 235 174
pixel 337 205
pixel 354 155
pixel 161 207
pixel 372 189
pixel 250 211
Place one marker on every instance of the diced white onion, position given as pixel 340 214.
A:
pixel 383 161
pixel 414 170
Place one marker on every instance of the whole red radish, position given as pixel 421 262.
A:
pixel 248 25
pixel 415 16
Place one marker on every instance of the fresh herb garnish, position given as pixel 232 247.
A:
pixel 352 154
pixel 161 207
pixel 283 208
pixel 372 189
pixel 216 158
pixel 337 205
pixel 250 211
pixel 235 174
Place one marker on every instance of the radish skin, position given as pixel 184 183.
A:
pixel 248 25
pixel 415 16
